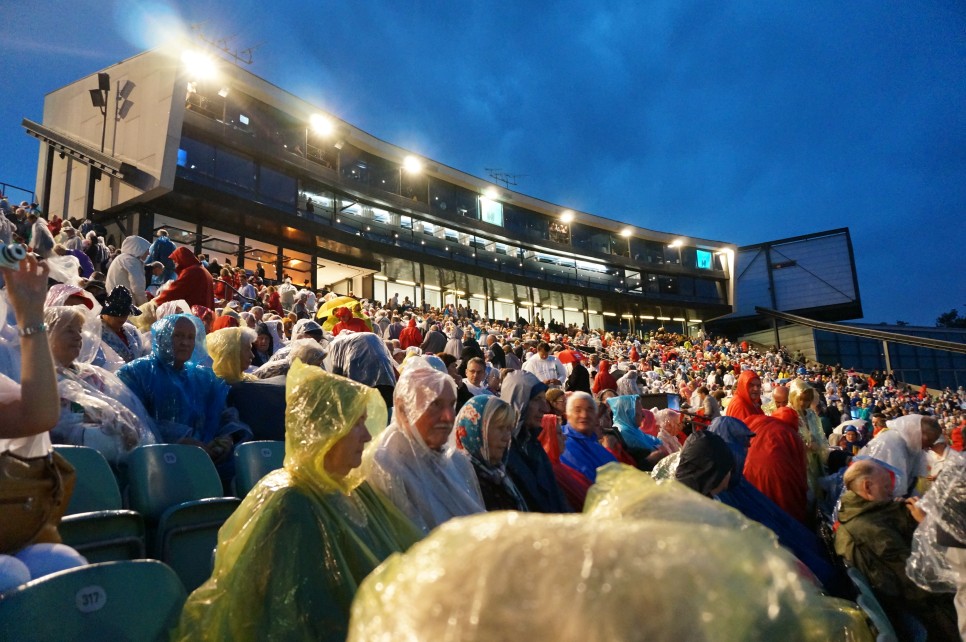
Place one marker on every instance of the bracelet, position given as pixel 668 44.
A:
pixel 33 329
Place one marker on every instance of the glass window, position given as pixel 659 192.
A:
pixel 703 259
pixel 668 284
pixel 560 232
pixel 491 211
pixel 706 289
pixel 197 156
pixel 235 170
pixel 277 186
pixel 526 224
pixel 590 239
pixel 450 201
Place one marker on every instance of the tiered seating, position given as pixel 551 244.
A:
pixel 128 600
pixel 254 460
pixel 177 490
pixel 95 524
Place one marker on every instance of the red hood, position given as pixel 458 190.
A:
pixel 183 258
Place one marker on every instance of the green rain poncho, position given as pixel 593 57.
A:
pixel 290 558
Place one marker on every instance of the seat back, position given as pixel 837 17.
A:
pixel 131 600
pixel 96 487
pixel 188 534
pixel 163 475
pixel 254 460
pixel 868 602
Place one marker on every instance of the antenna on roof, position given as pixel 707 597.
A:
pixel 503 177
pixel 224 45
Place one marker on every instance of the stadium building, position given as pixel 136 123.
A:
pixel 237 168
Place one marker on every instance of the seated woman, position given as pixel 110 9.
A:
pixel 573 484
pixel 27 413
pixel 291 557
pixel 230 350
pixel 669 430
pixel 116 333
pixel 484 427
pixel 264 345
pixel 628 413
pixel 185 399
pixel 96 408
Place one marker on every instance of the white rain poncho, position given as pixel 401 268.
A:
pixel 526 576
pixel 901 448
pixel 429 486
pixel 308 351
pixel 362 357
pixel 945 508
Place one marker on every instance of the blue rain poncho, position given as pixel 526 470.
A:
pixel 624 409
pixel 186 403
pixel 291 556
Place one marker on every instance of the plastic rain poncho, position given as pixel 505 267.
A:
pixel 225 348
pixel 428 486
pixel 96 408
pixel 945 508
pixel 58 295
pixel 326 316
pixel 624 408
pixel 901 448
pixel 590 578
pixel 291 557
pixel 185 403
pixel 308 351
pixel 362 357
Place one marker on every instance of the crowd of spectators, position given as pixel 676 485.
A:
pixel 399 418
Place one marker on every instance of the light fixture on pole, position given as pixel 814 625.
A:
pixel 319 124
pixel 99 100
pixel 626 233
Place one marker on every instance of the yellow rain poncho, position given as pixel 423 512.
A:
pixel 619 572
pixel 326 312
pixel 291 557
pixel 224 348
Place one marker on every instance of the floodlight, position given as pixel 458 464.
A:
pixel 198 64
pixel 626 232
pixel 98 98
pixel 412 165
pixel 567 217
pixel 320 124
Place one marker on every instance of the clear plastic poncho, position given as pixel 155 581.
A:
pixel 429 486
pixel 589 578
pixel 362 357
pixel 58 295
pixel 901 448
pixel 290 558
pixel 945 508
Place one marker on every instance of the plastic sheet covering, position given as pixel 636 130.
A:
pixel 225 348
pixel 64 269
pixel 57 298
pixel 362 357
pixel 172 307
pixel 666 468
pixel 945 508
pixel 527 576
pixel 901 448
pixel 308 351
pixel 99 411
pixel 429 486
pixel 291 556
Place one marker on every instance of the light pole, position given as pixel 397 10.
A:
pixel 99 100
pixel 626 233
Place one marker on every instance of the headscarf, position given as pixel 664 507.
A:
pixel 225 348
pixel 624 408
pixel 320 410
pixel 705 460
pixel 471 435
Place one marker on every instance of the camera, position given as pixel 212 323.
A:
pixel 11 255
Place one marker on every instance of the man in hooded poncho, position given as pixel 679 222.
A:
pixel 194 283
pixel 290 558
pixel 127 269
pixel 747 400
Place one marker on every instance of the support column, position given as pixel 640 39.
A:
pixel 240 259
pixel 199 228
pixel 774 327
pixel 279 266
pixel 93 174
pixel 888 361
pixel 48 177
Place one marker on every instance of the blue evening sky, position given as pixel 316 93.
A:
pixel 735 121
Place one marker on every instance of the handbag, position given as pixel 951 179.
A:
pixel 34 492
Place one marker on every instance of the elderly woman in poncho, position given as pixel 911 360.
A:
pixel 290 558
pixel 186 400
pixel 96 408
pixel 414 466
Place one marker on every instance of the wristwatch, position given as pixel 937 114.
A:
pixel 32 329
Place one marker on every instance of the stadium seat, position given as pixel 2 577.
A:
pixel 177 489
pixel 868 602
pixel 129 600
pixel 94 524
pixel 254 460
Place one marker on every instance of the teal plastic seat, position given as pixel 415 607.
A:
pixel 95 524
pixel 254 460
pixel 129 600
pixel 177 490
pixel 868 602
